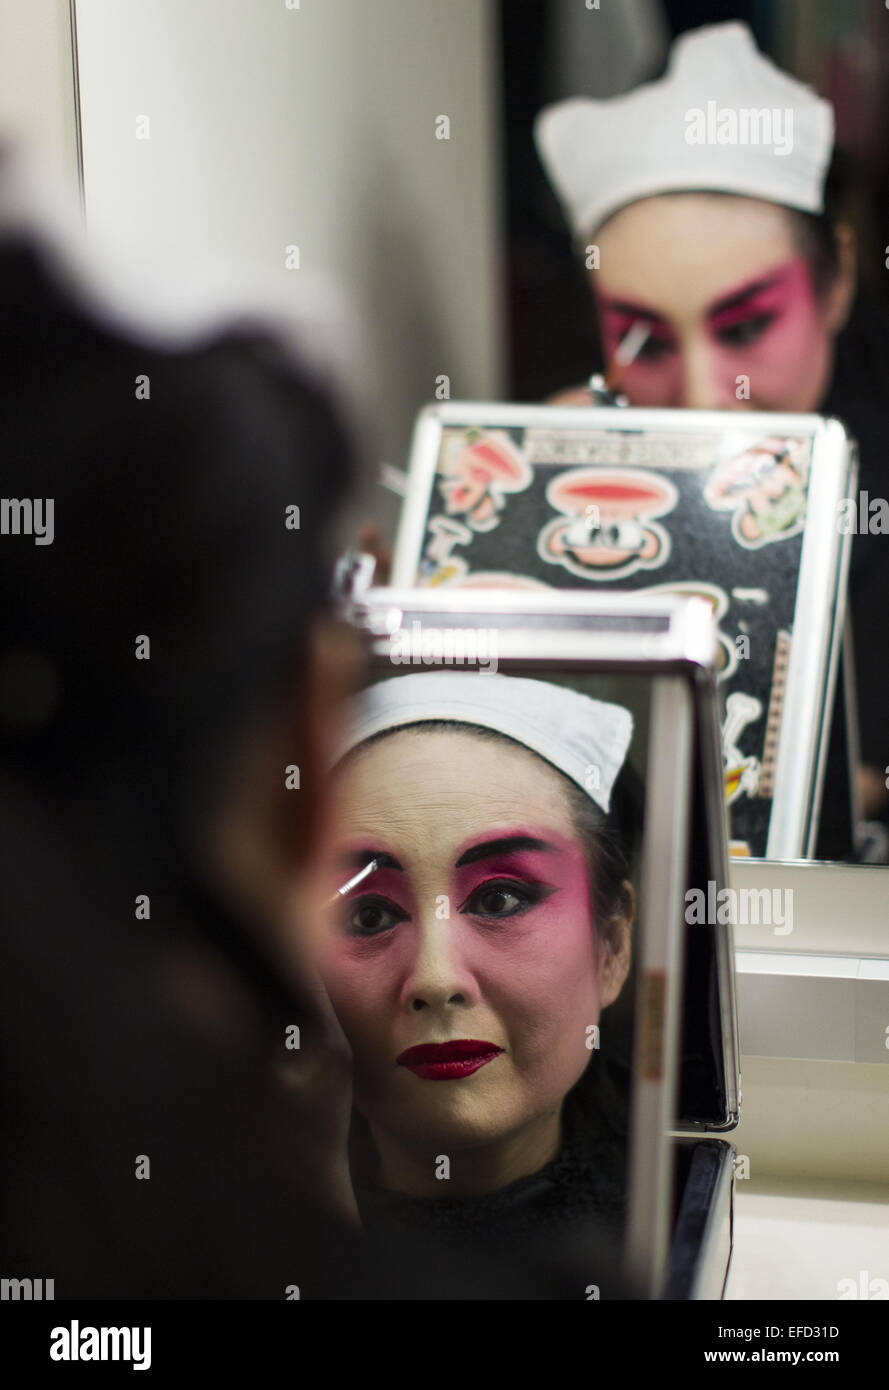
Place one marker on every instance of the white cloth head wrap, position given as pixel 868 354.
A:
pixel 574 733
pixel 601 155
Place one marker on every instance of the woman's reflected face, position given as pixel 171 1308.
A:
pixel 464 970
pixel 728 298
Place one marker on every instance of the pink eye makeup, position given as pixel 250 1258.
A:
pixel 372 907
pixel 737 321
pixel 499 898
pixel 497 878
pixel 617 323
pixel 741 324
pixel 514 883
pixel 745 331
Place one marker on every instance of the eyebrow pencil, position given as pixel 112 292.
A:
pixel 352 882
pixel 628 350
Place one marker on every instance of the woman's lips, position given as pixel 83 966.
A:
pixel 448 1061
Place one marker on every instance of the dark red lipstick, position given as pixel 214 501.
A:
pixel 448 1061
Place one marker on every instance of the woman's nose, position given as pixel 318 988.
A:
pixel 707 385
pixel 436 976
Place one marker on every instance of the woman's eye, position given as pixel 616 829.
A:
pixel 504 899
pixel 653 349
pixel 370 916
pixel 744 333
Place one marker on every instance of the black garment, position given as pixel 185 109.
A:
pixel 558 1231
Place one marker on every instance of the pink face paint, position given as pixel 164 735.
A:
pixel 765 295
pixel 540 872
pixel 778 339
pixel 617 323
pixel 498 951
pixel 654 377
pixel 523 918
pixel 774 336
pixel 383 896
pixel 518 920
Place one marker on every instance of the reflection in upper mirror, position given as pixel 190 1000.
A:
pixel 482 970
pixel 393 148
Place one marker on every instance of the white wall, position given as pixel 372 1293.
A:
pixel 37 80
pixel 315 126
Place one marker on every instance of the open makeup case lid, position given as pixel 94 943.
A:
pixel 753 512
pixel 673 642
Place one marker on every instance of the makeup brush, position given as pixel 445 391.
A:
pixel 353 882
pixel 627 351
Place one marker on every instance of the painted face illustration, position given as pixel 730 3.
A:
pixel 765 487
pixel 476 470
pixel 741 772
pixel 726 657
pixel 438 565
pixel 611 529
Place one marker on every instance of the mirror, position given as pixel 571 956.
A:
pixel 500 917
pixel 393 151
pixel 484 969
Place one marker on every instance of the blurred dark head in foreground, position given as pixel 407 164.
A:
pixel 170 521
pixel 161 659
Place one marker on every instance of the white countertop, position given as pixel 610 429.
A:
pixel 797 1239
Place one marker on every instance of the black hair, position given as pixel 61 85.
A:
pixel 170 520
pixel 816 237
pixel 816 232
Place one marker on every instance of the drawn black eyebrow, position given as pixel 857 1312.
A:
pixel 503 846
pixel 626 306
pixel 731 300
pixel 357 858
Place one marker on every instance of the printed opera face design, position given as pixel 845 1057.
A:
pixel 765 489
pixel 607 528
pixel 476 470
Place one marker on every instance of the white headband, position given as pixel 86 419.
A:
pixel 723 118
pixel 585 739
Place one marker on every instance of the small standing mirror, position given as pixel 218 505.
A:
pixel 527 791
